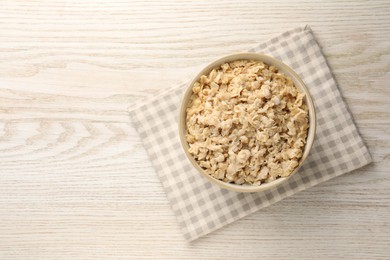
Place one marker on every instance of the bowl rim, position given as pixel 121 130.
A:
pixel 269 61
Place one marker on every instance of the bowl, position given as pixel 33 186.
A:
pixel 282 68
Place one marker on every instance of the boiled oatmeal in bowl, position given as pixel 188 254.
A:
pixel 246 121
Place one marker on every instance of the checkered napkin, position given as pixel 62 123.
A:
pixel 202 207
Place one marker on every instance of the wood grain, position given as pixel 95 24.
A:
pixel 75 181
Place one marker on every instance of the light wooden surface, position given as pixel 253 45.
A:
pixel 75 181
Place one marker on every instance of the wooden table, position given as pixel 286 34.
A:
pixel 75 181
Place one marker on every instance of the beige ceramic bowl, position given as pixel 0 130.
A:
pixel 269 61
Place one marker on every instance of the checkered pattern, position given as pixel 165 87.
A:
pixel 201 207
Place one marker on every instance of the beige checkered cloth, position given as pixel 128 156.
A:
pixel 202 207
